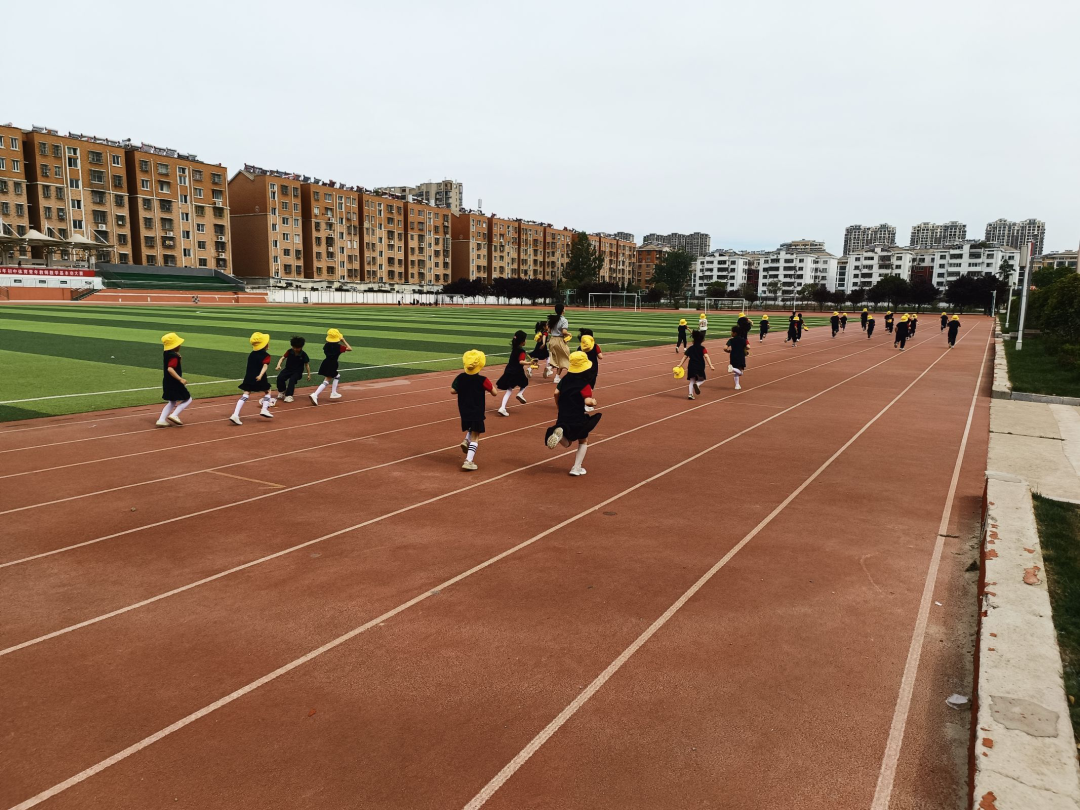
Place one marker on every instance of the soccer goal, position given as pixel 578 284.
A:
pixel 737 304
pixel 621 300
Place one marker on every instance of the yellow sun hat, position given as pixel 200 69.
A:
pixel 742 314
pixel 869 317
pixel 537 336
pixel 587 343
pixel 904 317
pixel 956 317
pixel 764 317
pixel 682 321
pixel 864 309
pixel 473 360
pixel 679 372
pixel 836 313
pixel 579 361
pixel 702 315
pixel 259 340
pixel 333 336
pixel 171 341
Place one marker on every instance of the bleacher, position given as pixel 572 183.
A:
pixel 116 279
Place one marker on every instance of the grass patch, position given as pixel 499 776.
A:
pixel 1059 530
pixel 1034 370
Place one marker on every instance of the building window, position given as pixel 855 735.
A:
pixel 144 184
pixel 163 186
pixel 117 160
pixel 144 165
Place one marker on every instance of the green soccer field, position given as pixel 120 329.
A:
pixel 70 359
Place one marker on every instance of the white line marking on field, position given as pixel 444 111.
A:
pixel 891 757
pixel 534 745
pixel 233 696
pixel 249 480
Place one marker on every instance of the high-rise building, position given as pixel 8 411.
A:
pixel 696 244
pixel 795 264
pixel 428 231
pixel 505 248
pixel 865 268
pixel 647 256
pixel 727 267
pixel 14 200
pixel 624 236
pixel 330 221
pixel 267 224
pixel 1017 234
pixel 557 244
pixel 532 249
pixel 929 234
pixel 859 237
pixel 441 194
pixel 948 262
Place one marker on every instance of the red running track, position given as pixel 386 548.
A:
pixel 737 607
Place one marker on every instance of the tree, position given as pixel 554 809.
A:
pixel 804 293
pixel 749 292
pixel 893 289
pixel 821 296
pixel 922 293
pixel 838 298
pixel 856 296
pixel 1005 270
pixel 1045 276
pixel 469 288
pixel 773 289
pixel 1055 308
pixel 717 289
pixel 585 262
pixel 656 293
pixel 960 292
pixel 673 271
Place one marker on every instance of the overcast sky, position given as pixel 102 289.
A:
pixel 756 122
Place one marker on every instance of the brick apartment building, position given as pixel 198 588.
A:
pixel 470 246
pixel 505 247
pixel 557 242
pixel 330 224
pixel 647 257
pixel 429 244
pixel 14 199
pixel 267 228
pixel 532 249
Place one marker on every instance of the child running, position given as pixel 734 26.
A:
pixel 889 321
pixel 514 375
pixel 255 381
pixel 572 395
pixel 763 327
pixel 799 324
pixel 694 360
pixel 843 321
pixel 540 350
pixel 792 331
pixel 681 341
pixel 901 333
pixel 834 321
pixel 913 321
pixel 736 347
pixel 954 327
pixel 335 346
pixel 864 317
pixel 173 385
pixel 703 325
pixel 869 326
pixel 944 320
pixel 470 387
pixel 296 363
pixel 595 354
pixel 744 325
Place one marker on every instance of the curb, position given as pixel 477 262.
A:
pixel 1025 755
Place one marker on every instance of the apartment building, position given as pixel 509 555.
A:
pixel 505 248
pixel 1060 258
pixel 859 237
pixel 470 246
pixel 383 242
pixel 867 267
pixel 929 234
pixel 557 244
pixel 266 220
pixel 728 267
pixel 330 219
pixel 441 194
pixel 949 262
pixel 647 256
pixel 626 261
pixel 532 249
pixel 696 244
pixel 624 236
pixel 14 199
pixel 1017 234
pixel 794 264
pixel 607 247
pixel 179 209
pixel 427 231
pixel 77 190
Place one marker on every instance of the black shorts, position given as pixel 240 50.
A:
pixel 474 426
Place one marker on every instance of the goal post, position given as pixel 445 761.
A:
pixel 622 300
pixel 715 304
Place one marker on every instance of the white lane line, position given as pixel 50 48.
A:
pixel 606 387
pixel 337 642
pixel 571 709
pixel 891 757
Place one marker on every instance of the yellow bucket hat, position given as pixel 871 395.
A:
pixel 333 336
pixel 679 372
pixel 835 312
pixel 869 317
pixel 702 315
pixel 682 321
pixel 259 340
pixel 742 314
pixel 904 317
pixel 473 360
pixel 956 317
pixel 171 341
pixel 864 309
pixel 764 317
pixel 579 361
pixel 587 343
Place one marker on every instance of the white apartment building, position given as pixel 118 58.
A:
pixel 929 234
pixel 794 264
pixel 728 267
pixel 949 262
pixel 860 237
pixel 696 243
pixel 1060 258
pixel 1017 234
pixel 867 267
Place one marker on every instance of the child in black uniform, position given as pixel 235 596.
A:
pixel 682 335
pixel 834 321
pixel 954 327
pixel 763 328
pixel 843 321
pixel 901 333
pixel 944 320
pixel 335 346
pixel 595 354
pixel 540 349
pixel 869 326
pixel 514 375
pixel 255 381
pixel 296 363
pixel 173 385
pixel 736 347
pixel 694 360
pixel 913 321
pixel 792 331
pixel 470 387
pixel 572 395
pixel 889 321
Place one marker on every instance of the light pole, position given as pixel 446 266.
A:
pixel 1024 298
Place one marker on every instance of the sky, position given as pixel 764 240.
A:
pixel 756 122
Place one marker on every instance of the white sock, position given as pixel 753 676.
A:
pixel 320 389
pixel 166 411
pixel 468 437
pixel 333 384
pixel 506 398
pixel 472 451
pixel 582 448
pixel 264 401
pixel 240 404
pixel 691 386
pixel 181 406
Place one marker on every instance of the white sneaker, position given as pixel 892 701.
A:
pixel 235 419
pixel 266 412
pixel 161 423
pixel 288 399
pixel 577 471
pixel 280 396
pixel 464 446
pixel 314 399
pixel 547 372
pixel 271 403
pixel 503 412
pixel 738 387
pixel 589 409
pixel 520 399
pixel 335 395
pixel 555 438
pixel 556 380
pixel 469 465
pixel 172 417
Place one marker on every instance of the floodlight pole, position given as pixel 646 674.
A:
pixel 1024 297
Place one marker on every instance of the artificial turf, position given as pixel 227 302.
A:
pixel 71 359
